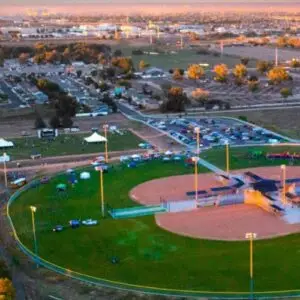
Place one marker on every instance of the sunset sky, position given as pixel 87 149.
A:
pixel 10 7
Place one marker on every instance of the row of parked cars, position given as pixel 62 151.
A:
pixel 215 131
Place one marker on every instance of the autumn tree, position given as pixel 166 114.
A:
pixel 240 71
pixel 177 75
pixel 143 65
pixel 263 66
pixel 253 83
pixel 282 41
pixel 123 63
pixel 195 72
pixel 286 92
pixel 176 100
pixel 200 95
pixel 277 75
pixel 221 72
pixel 7 290
pixel 295 63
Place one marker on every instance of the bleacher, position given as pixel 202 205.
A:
pixel 138 211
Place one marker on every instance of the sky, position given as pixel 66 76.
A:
pixel 9 7
pixel 184 2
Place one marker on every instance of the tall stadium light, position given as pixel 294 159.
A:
pixel 227 158
pixel 197 131
pixel 105 127
pixel 4 168
pixel 33 211
pixel 99 168
pixel 283 196
pixel 251 236
pixel 195 160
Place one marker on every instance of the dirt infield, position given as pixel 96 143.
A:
pixel 222 223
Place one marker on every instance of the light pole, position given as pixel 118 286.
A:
pixel 4 168
pixel 251 236
pixel 33 210
pixel 283 198
pixel 227 158
pixel 105 127
pixel 99 168
pixel 195 160
pixel 197 131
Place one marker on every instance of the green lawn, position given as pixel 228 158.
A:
pixel 148 255
pixel 239 157
pixel 70 144
pixel 181 60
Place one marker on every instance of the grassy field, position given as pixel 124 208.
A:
pixel 148 255
pixel 240 157
pixel 181 60
pixel 70 144
pixel 283 120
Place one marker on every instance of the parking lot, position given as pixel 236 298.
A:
pixel 214 132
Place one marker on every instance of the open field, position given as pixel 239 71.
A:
pixel 148 255
pixel 70 144
pixel 283 120
pixel 262 53
pixel 181 60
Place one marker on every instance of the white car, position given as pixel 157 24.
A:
pixel 89 222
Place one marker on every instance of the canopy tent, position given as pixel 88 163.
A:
pixel 61 187
pixel 85 175
pixel 95 138
pixel 5 144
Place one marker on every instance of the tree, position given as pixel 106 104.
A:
pixel 65 106
pixel 124 63
pixel 263 66
pixel 295 63
pixel 175 101
pixel 200 95
pixel 245 60
pixel 277 75
pixel 143 65
pixel 54 122
pixel 39 122
pixel 221 72
pixel 177 75
pixel 67 122
pixel 240 71
pixel 286 92
pixel 195 72
pixel 23 58
pixel 282 41
pixel 7 289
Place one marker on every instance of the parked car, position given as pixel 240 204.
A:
pixel 89 222
pixel 74 223
pixel 58 228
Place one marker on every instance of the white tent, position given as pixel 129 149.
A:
pixel 95 138
pixel 85 175
pixel 5 144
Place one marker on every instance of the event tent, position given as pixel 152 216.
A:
pixel 5 144
pixel 95 138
